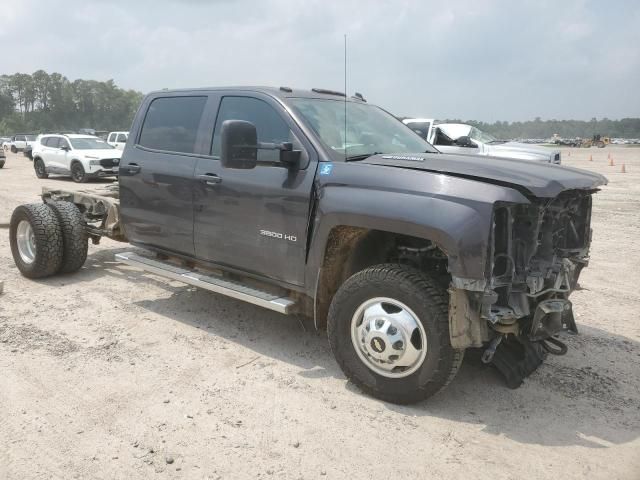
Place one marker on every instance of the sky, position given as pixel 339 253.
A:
pixel 483 60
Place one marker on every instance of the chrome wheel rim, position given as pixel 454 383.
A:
pixel 26 241
pixel 388 337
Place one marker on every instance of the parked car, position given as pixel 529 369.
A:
pixel 28 150
pixel 81 157
pixel 3 157
pixel 118 139
pixel 407 255
pixel 467 139
pixel 20 141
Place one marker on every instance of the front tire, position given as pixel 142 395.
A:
pixel 388 328
pixel 74 236
pixel 14 149
pixel 78 174
pixel 40 169
pixel 36 241
pixel 2 163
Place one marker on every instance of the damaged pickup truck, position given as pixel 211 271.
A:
pixel 406 256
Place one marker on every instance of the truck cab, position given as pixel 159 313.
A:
pixel 117 139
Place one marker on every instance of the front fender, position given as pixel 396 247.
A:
pixel 454 213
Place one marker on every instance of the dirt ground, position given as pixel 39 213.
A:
pixel 115 373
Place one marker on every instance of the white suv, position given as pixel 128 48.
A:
pixel 79 156
pixel 118 139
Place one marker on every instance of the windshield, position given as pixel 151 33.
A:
pixel 31 138
pixel 370 129
pixel 481 136
pixel 89 144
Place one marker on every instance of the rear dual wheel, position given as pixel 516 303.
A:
pixel 47 239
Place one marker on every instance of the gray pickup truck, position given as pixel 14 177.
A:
pixel 406 256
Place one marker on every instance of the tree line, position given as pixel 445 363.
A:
pixel 43 102
pixel 543 129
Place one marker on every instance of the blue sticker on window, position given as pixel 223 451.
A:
pixel 326 168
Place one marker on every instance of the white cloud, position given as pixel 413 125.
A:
pixel 471 59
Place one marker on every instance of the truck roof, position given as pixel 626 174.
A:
pixel 278 92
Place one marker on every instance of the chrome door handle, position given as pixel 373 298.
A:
pixel 210 179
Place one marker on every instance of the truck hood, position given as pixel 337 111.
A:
pixel 542 180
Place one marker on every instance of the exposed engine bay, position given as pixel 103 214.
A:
pixel 537 253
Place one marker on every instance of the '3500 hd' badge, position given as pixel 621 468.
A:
pixel 278 235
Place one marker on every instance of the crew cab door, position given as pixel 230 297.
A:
pixel 156 172
pixel 255 220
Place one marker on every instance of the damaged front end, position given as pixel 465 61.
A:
pixel 536 255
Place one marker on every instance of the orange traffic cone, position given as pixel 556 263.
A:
pixel 591 158
pixel 623 170
pixel 611 164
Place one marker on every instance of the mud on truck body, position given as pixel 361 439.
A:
pixel 406 256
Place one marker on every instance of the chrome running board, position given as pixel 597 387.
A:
pixel 213 283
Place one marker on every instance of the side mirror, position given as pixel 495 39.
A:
pixel 65 148
pixel 465 141
pixel 239 144
pixel 288 155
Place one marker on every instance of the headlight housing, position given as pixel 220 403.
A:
pixel 94 163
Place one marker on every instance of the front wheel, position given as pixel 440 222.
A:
pixel 78 174
pixel 2 163
pixel 41 171
pixel 14 149
pixel 388 328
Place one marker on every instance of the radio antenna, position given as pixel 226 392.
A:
pixel 345 96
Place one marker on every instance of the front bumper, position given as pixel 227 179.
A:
pixel 99 171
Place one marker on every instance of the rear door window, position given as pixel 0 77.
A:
pixel 122 138
pixel 270 126
pixel 172 123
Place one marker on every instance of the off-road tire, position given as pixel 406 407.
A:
pixel 14 149
pixel 48 240
pixel 40 169
pixel 427 300
pixel 74 236
pixel 78 173
pixel 2 163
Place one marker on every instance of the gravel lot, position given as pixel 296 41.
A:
pixel 115 373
